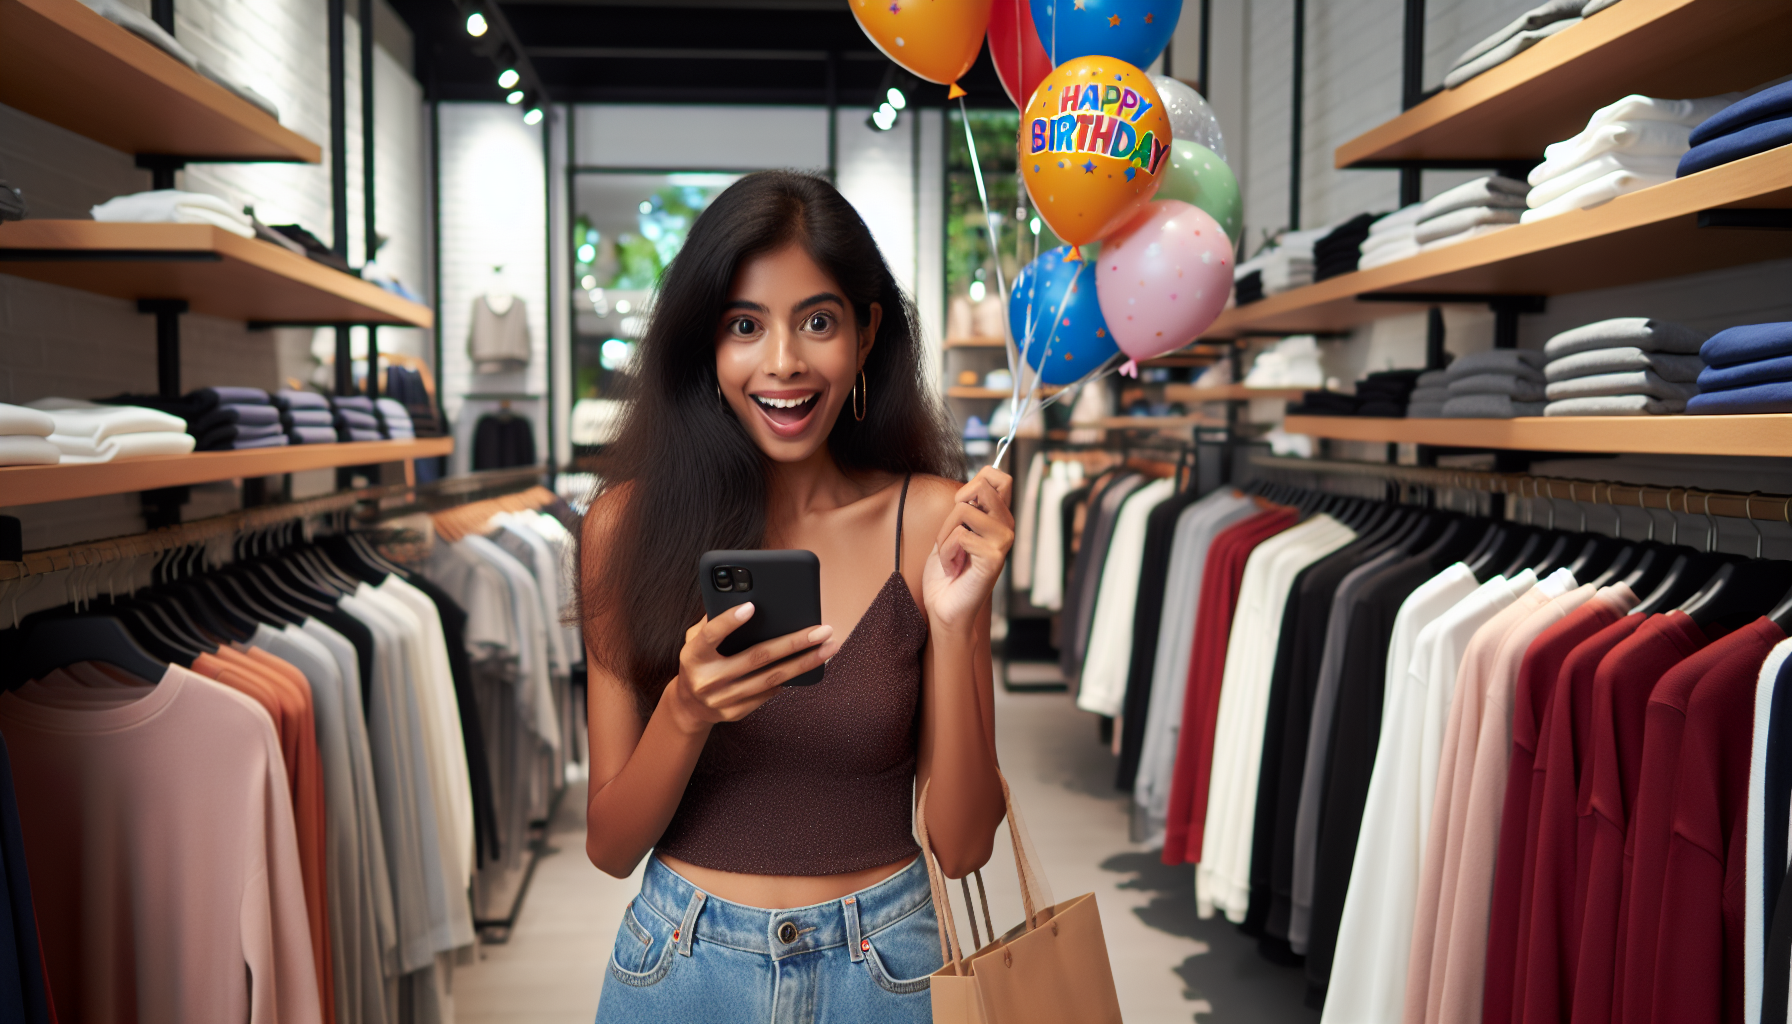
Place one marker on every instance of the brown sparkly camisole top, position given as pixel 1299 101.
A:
pixel 819 780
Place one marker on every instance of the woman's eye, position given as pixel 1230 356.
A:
pixel 744 327
pixel 820 322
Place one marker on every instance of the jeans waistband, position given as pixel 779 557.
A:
pixel 843 922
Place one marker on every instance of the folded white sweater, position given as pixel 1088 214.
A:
pixel 1600 190
pixel 1636 138
pixel 1458 221
pixel 100 423
pixel 123 446
pixel 18 420
pixel 1596 168
pixel 172 206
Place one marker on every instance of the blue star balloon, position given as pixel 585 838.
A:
pixel 1135 31
pixel 1066 330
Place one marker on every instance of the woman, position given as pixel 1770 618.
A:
pixel 779 402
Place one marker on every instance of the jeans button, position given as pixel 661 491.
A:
pixel 787 933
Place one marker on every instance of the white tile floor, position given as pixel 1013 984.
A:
pixel 1168 965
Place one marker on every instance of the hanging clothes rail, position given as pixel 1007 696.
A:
pixel 1688 500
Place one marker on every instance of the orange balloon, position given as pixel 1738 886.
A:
pixel 1094 144
pixel 936 39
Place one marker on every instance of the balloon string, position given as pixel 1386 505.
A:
pixel 1021 407
pixel 1011 347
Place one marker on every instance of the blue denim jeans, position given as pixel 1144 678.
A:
pixel 684 955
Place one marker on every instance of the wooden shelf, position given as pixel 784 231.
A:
pixel 976 343
pixel 1155 422
pixel 1765 434
pixel 1638 237
pixel 31 485
pixel 71 67
pixel 215 271
pixel 1230 393
pixel 1668 48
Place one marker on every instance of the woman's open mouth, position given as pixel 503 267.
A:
pixel 787 412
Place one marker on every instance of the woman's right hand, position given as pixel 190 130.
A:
pixel 712 687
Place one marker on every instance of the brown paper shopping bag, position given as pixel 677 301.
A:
pixel 1052 968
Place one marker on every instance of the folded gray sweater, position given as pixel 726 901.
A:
pixel 1642 332
pixel 1630 382
pixel 1520 362
pixel 1615 405
pixel 1492 407
pixel 1493 190
pixel 1468 217
pixel 1521 388
pixel 1623 358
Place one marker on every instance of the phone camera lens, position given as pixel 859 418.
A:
pixel 743 580
pixel 723 578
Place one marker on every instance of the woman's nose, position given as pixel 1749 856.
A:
pixel 782 359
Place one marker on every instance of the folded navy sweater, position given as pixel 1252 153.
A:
pixel 1747 344
pixel 1776 397
pixel 1742 375
pixel 1766 105
pixel 1756 138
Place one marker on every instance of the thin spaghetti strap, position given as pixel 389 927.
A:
pixel 901 504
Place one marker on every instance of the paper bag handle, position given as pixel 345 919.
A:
pixel 1032 882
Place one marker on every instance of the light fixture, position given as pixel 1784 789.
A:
pixel 978 291
pixel 622 305
pixel 508 78
pixel 615 354
pixel 476 24
pixel 587 254
pixel 514 98
pixel 1033 225
pixel 588 282
pixel 646 207
pixel 533 116
pixel 897 100
pixel 883 118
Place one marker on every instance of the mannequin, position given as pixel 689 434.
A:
pixel 498 335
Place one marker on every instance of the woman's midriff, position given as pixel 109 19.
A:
pixel 780 892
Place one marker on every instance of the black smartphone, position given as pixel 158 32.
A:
pixel 784 586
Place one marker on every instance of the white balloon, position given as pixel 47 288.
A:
pixel 1191 119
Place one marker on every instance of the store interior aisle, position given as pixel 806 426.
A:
pixel 1169 966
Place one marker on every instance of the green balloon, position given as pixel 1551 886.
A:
pixel 1200 178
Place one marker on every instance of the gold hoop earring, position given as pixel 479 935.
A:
pixel 861 395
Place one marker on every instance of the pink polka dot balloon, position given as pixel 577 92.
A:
pixel 1163 278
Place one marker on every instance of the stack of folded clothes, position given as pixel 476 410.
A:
pixel 1430 391
pixel 394 418
pixel 1521 34
pixel 92 432
pixel 406 385
pixel 220 418
pixel 1630 366
pixel 1626 147
pixel 1472 208
pixel 1498 384
pixel 1326 403
pixel 1391 238
pixel 1749 369
pixel 1248 288
pixel 25 437
pixel 1753 125
pixel 1337 253
pixel 171 206
pixel 1287 264
pixel 354 419
pixel 306 416
pixel 1386 392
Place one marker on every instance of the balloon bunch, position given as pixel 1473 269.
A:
pixel 1128 168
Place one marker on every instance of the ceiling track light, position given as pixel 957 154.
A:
pixel 508 78
pixel 514 98
pixel 476 24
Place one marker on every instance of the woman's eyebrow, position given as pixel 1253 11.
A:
pixel 819 298
pixel 745 304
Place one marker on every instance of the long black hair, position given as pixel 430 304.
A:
pixel 694 479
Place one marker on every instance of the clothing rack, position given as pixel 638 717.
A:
pixel 1690 501
pixel 455 523
pixel 201 531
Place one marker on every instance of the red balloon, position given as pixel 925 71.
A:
pixel 1013 40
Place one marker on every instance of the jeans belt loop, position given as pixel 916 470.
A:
pixel 850 906
pixel 688 927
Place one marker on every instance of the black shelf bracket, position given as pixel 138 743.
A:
pixel 161 168
pixel 1760 220
pixel 167 313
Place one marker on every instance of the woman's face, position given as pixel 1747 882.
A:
pixel 788 351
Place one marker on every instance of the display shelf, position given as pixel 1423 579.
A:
pixel 71 67
pixel 31 485
pixel 215 271
pixel 968 391
pixel 1638 237
pixel 976 343
pixel 1666 48
pixel 1764 434
pixel 1155 422
pixel 1229 393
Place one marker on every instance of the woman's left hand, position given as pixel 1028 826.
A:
pixel 970 549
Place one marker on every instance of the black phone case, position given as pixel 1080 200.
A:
pixel 786 597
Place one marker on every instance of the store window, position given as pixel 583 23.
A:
pixel 627 226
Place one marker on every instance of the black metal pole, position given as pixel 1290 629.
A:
pixel 833 114
pixel 167 313
pixel 1412 86
pixel 1434 339
pixel 1295 113
pixel 162 13
pixel 370 236
pixel 1201 68
pixel 334 13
